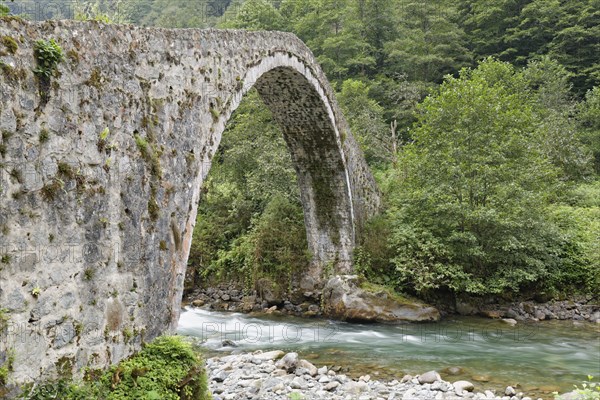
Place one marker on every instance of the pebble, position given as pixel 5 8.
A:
pixel 239 377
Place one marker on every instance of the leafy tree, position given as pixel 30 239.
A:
pixel 487 23
pixel 251 197
pixel 576 44
pixel 376 23
pixel 469 196
pixel 333 33
pixel 557 131
pixel 366 118
pixel 429 44
pixel 588 118
pixel 255 15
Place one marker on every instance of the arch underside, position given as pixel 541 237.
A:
pixel 313 141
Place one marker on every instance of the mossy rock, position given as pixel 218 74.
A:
pixel 347 298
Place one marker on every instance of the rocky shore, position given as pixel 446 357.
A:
pixel 581 309
pixel 308 304
pixel 276 375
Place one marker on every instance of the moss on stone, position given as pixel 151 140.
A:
pixel 380 290
pixel 10 44
pixel 96 79
pixel 50 191
pixel 44 136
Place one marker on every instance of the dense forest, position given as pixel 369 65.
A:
pixel 479 118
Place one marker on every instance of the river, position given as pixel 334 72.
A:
pixel 538 358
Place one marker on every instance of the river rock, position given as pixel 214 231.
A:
pixel 288 362
pixel 509 321
pixel 510 391
pixel 462 386
pixel 429 377
pixel 269 291
pixel 354 387
pixel 220 376
pixel 344 299
pixel 298 383
pixel 198 303
pixel 269 355
pixel 453 370
pixel 465 308
pixel 495 314
pixel 308 366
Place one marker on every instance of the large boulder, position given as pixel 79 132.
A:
pixel 344 298
pixel 269 291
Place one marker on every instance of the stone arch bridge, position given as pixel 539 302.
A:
pixel 101 170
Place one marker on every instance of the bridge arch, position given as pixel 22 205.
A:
pixel 302 110
pixel 100 178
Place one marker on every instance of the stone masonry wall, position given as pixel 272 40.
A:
pixel 99 185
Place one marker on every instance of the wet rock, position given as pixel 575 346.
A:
pixel 465 308
pixel 509 321
pixel 481 378
pixel 344 299
pixel 198 303
pixel 495 314
pixel 269 355
pixel 453 370
pixel 429 377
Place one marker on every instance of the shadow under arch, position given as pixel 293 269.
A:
pixel 303 111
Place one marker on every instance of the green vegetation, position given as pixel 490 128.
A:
pixel 489 169
pixel 470 199
pixel 88 274
pixel 150 154
pixel 589 390
pixel 4 10
pixel 166 369
pixel 47 54
pixel 250 222
pixel 7 366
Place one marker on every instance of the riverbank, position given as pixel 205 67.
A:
pixel 276 375
pixel 308 305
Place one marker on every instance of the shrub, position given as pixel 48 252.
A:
pixel 166 369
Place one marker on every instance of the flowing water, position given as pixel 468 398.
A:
pixel 538 358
